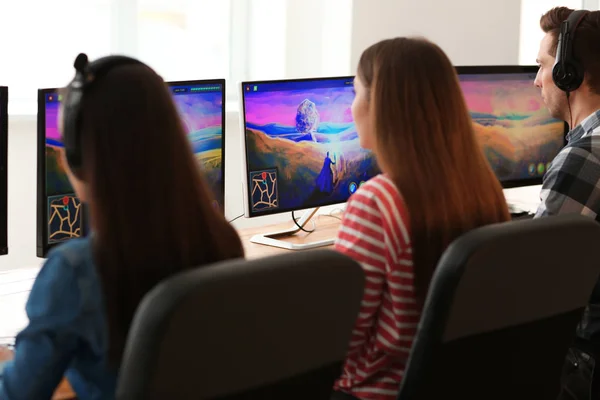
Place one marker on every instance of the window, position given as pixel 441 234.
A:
pixel 181 39
pixel 531 34
pixel 185 39
pixel 299 38
pixel 39 47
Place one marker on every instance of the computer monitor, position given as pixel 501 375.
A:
pixel 300 145
pixel 518 135
pixel 3 170
pixel 202 109
pixel 60 214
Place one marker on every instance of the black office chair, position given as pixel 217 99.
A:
pixel 271 328
pixel 502 310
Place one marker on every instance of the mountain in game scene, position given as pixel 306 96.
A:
pixel 511 142
pixel 206 139
pixel 307 119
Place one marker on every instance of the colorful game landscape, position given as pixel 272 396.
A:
pixel 305 142
pixel 516 131
pixel 201 114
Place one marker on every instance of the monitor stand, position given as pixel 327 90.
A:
pixel 273 239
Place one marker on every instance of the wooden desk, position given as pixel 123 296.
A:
pixel 64 391
pixel 326 228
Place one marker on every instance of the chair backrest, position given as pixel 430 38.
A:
pixel 502 310
pixel 271 328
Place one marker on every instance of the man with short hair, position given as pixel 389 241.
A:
pixel 569 78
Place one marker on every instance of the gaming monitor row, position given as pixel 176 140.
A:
pixel 300 145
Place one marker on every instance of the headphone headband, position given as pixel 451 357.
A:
pixel 567 72
pixel 86 74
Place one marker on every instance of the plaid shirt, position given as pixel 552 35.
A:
pixel 572 184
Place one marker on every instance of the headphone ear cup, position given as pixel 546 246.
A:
pixel 577 75
pixel 558 76
pixel 568 78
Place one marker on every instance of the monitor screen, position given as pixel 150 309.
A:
pixel 61 216
pixel 200 104
pixel 301 145
pixel 518 135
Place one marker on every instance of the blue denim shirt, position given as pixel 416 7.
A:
pixel 67 333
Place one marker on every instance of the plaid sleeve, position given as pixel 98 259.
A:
pixel 571 185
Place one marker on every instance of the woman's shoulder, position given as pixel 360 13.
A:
pixel 75 251
pixel 75 256
pixel 380 198
pixel 380 190
pixel 67 277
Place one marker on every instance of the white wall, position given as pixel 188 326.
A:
pixel 22 176
pixel 470 31
pixel 298 38
pixel 531 33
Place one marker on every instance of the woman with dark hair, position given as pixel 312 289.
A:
pixel 128 157
pixel 436 185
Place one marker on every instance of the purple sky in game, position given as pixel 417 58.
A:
pixel 52 121
pixel 200 110
pixel 502 97
pixel 280 107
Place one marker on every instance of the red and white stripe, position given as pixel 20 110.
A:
pixel 375 232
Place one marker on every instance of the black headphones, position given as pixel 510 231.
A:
pixel 567 72
pixel 86 74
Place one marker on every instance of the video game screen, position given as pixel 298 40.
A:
pixel 60 213
pixel 302 148
pixel 518 135
pixel 200 105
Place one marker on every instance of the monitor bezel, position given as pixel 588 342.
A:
pixel 221 82
pixel 42 245
pixel 3 170
pixel 248 213
pixel 509 69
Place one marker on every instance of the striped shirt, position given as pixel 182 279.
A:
pixel 374 232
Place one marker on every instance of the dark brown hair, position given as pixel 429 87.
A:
pixel 426 143
pixel 585 45
pixel 151 209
